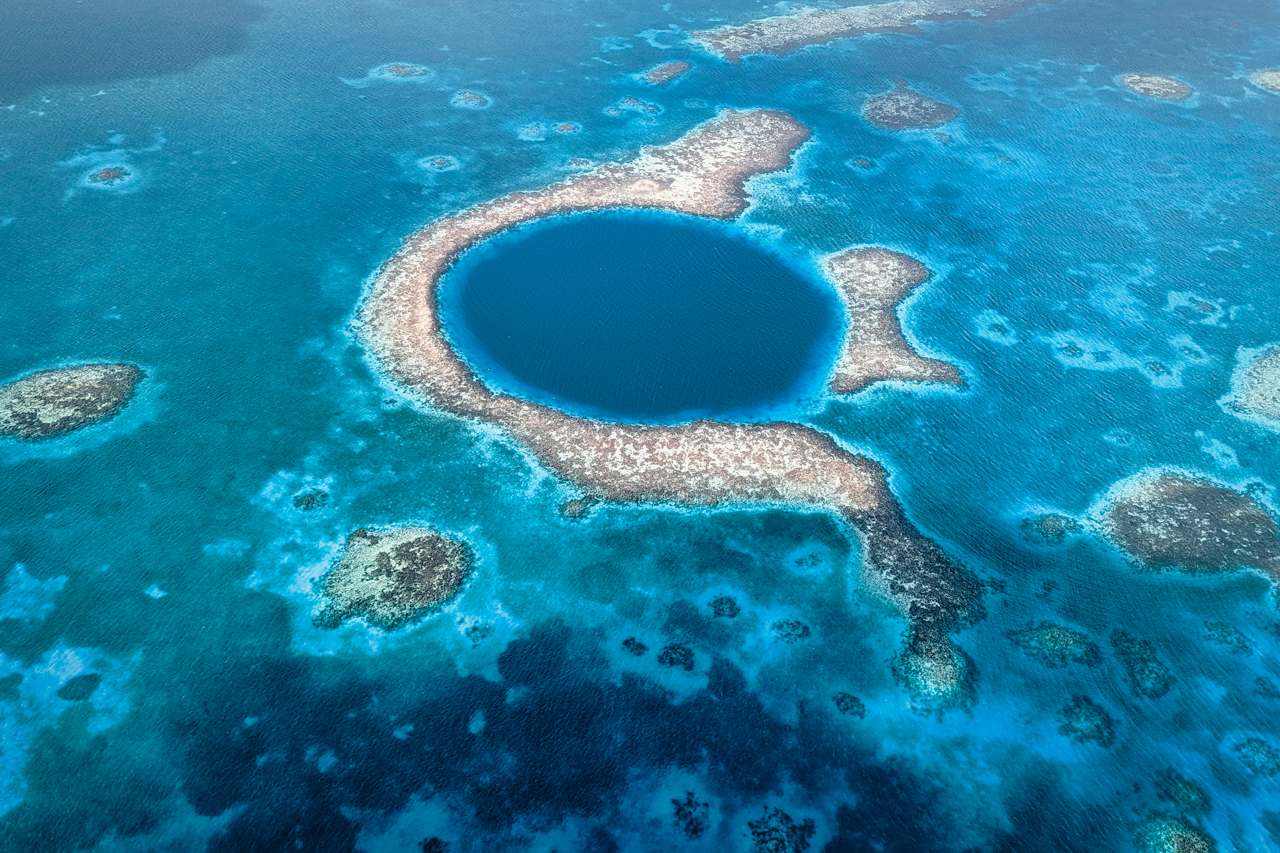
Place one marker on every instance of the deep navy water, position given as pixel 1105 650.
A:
pixel 1078 234
pixel 642 318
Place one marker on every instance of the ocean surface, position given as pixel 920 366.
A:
pixel 1100 262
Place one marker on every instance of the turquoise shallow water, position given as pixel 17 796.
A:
pixel 1076 233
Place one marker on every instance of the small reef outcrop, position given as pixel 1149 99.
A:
pixel 393 576
pixel 1255 388
pixel 1156 86
pixel 1269 80
pixel 51 403
pixel 785 33
pixel 1049 528
pixel 1170 521
pixel 666 73
pixel 1146 673
pixel 1164 834
pixel 1085 721
pixel 903 108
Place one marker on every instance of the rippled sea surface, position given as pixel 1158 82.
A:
pixel 1101 261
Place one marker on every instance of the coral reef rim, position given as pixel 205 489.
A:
pixel 704 463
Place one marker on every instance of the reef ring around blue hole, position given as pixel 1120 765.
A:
pixel 643 317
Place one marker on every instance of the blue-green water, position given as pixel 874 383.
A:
pixel 1071 228
pixel 641 318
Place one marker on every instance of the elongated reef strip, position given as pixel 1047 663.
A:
pixel 785 33
pixel 666 72
pixel 1156 86
pixel 704 463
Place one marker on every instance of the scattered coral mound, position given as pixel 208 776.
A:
pixel 1146 673
pixel 394 575
pixel 1269 80
pixel 50 403
pixel 1163 834
pixel 666 73
pixel 1056 645
pixel 785 33
pixel 1169 521
pixel 1256 385
pixel 903 108
pixel 1155 86
pixel 1049 528
pixel 1085 721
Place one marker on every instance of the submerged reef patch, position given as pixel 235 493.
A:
pixel 1260 757
pixel 1170 521
pixel 692 816
pixel 1085 721
pixel 1183 794
pixel 1155 86
pixel 1255 388
pixel 1147 674
pixel 704 463
pixel 393 576
pixel 785 33
pixel 777 832
pixel 1163 834
pixel 903 108
pixel 1056 645
pixel 849 705
pixel 1049 528
pixel 50 403
pixel 1226 634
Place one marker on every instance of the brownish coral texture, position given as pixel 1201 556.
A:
pixel 1174 522
pixel 785 33
pixel 666 72
pixel 50 403
pixel 704 463
pixel 392 576
pixel 903 108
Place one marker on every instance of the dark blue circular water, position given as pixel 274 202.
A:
pixel 642 317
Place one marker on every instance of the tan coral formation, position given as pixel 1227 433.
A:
pixel 699 464
pixel 785 33
pixel 1269 80
pixel 666 72
pixel 1155 86
pixel 394 575
pixel 903 108
pixel 50 403
pixel 1256 387
pixel 872 282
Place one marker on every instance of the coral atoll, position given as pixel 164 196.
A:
pixel 50 403
pixel 392 576
pixel 902 108
pixel 705 463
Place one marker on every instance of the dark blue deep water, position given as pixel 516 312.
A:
pixel 640 317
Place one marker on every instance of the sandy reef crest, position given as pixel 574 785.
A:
pixel 50 403
pixel 786 33
pixel 1156 86
pixel 706 463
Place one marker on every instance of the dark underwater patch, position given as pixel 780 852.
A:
pixel 56 43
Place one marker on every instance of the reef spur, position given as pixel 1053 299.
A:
pixel 705 463
pixel 785 33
